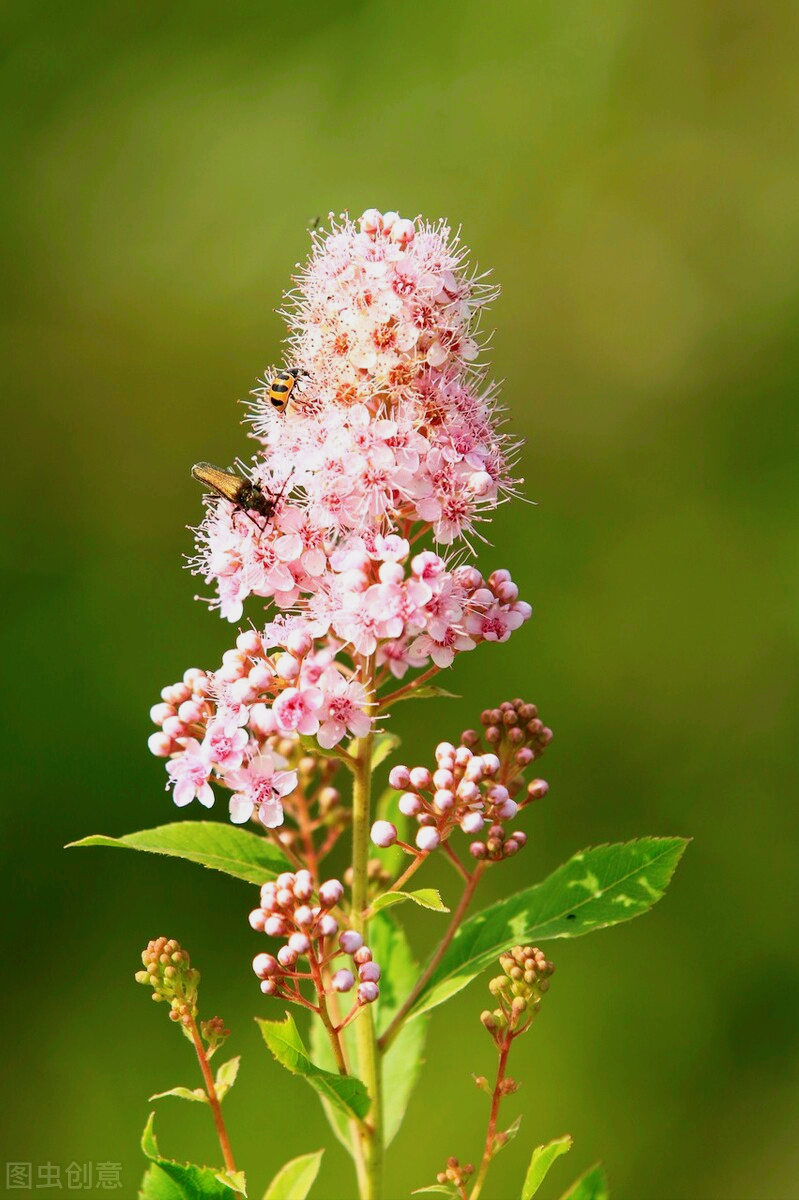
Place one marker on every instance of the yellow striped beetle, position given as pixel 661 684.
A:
pixel 281 385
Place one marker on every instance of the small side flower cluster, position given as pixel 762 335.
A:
pixel 291 908
pixel 474 790
pixel 525 979
pixel 168 971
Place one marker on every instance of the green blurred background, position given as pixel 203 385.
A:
pixel 629 173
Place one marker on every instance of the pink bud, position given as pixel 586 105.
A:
pixel 388 220
pixel 497 793
pixel 299 943
pixel 399 777
pixel 234 659
pixel 303 916
pixel 174 727
pixel 268 987
pixel 463 755
pixel 160 744
pixel 265 965
pixel 275 927
pixel 190 711
pixel 507 810
pixel 473 822
pixel 444 750
pixel 421 778
pixel 478 850
pixel 287 666
pixel 444 799
pixel 368 992
pixel 330 892
pixel 328 925
pixel 523 609
pixel 369 972
pixel 364 955
pixel 193 676
pixel 371 221
pixel 491 764
pixel 507 592
pixel 520 837
pixel 286 880
pixel 427 838
pixel 350 941
pixel 248 642
pixel 303 885
pixel 284 898
pixel 474 770
pixel 260 677
pixel 257 919
pixel 384 833
pixel 286 956
pixel 390 572
pixel 299 643
pixel 242 691
pixel 468 791
pixel 343 981
pixel 537 789
pixel 409 804
pixel 480 483
pixel 403 232
pixel 160 712
pixel 443 779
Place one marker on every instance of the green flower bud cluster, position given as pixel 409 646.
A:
pixel 518 990
pixel 456 1175
pixel 168 971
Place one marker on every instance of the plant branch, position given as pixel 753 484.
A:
pixel 458 915
pixel 213 1099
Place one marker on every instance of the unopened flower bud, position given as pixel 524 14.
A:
pixel 368 992
pixel 299 943
pixel 427 838
pixel 287 957
pixel 265 965
pixel 472 822
pixel 350 941
pixel 330 892
pixel 399 778
pixel 537 789
pixel 384 833
pixel 303 916
pixel 275 926
pixel 160 744
pixel 257 919
pixel 369 972
pixel 363 955
pixel 343 981
pixel 327 926
pixel 421 778
pixel 409 804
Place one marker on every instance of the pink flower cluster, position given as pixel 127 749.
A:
pixel 389 436
pixel 471 790
pixel 287 910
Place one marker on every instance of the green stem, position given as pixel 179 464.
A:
pixel 371 1142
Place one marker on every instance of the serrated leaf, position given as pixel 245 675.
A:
pixel 221 847
pixel 344 1092
pixel 185 1180
pixel 294 1180
pixel 383 746
pixel 596 888
pixel 591 1186
pixel 226 1076
pixel 424 897
pixel 542 1159
pixel 429 691
pixel 183 1093
pixel 404 1060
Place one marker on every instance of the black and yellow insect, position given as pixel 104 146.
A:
pixel 241 492
pixel 281 386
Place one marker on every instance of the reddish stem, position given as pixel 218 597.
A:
pixel 213 1099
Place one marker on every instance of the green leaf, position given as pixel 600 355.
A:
pixel 424 897
pixel 169 1180
pixel 383 747
pixel 212 844
pixel 437 1188
pixel 404 1059
pixel 344 1092
pixel 182 1094
pixel 510 1134
pixel 226 1076
pixel 591 1186
pixel 596 888
pixel 542 1160
pixel 312 746
pixel 295 1179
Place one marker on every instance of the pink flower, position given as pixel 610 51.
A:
pixel 258 787
pixel 342 710
pixel 225 743
pixel 189 774
pixel 297 708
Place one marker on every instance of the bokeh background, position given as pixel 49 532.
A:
pixel 629 173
